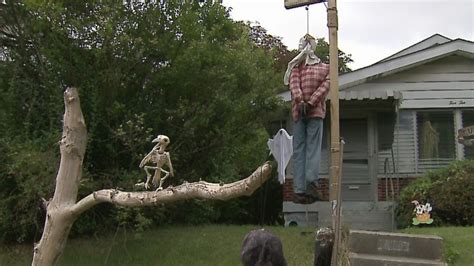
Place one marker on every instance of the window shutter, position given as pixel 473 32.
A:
pixel 401 140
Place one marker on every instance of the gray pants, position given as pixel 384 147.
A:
pixel 307 138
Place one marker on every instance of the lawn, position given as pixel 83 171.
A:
pixel 458 242
pixel 210 245
pixel 176 245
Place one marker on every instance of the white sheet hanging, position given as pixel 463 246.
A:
pixel 281 147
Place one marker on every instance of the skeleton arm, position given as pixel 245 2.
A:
pixel 149 156
pixel 146 159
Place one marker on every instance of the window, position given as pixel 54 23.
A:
pixel 421 140
pixel 436 139
pixel 468 120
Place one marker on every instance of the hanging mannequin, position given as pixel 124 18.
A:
pixel 308 79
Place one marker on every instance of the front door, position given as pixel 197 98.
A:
pixel 356 181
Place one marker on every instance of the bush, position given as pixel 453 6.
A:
pixel 26 177
pixel 416 190
pixel 450 191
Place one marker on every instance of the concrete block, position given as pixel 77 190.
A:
pixel 396 244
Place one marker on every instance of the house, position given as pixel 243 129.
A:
pixel 399 118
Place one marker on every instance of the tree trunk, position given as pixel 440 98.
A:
pixel 59 219
pixel 64 209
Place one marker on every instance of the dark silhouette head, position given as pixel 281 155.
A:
pixel 262 248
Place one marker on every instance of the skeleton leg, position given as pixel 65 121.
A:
pixel 162 179
pixel 148 175
pixel 157 178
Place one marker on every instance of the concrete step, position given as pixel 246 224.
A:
pixel 379 260
pixel 396 245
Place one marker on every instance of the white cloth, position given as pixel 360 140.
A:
pixel 281 147
pixel 307 55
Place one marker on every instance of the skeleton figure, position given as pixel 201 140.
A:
pixel 159 157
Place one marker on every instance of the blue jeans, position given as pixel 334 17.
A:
pixel 307 138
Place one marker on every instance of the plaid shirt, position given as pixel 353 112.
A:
pixel 309 83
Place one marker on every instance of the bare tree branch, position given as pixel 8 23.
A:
pixel 197 190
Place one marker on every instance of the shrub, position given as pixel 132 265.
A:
pixel 26 177
pixel 450 191
pixel 416 190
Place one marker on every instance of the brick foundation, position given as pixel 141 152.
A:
pixel 288 189
pixel 384 186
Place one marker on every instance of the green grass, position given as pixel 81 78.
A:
pixel 211 245
pixel 176 245
pixel 458 242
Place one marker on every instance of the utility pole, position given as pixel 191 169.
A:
pixel 336 162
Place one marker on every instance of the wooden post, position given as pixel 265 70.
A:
pixel 335 181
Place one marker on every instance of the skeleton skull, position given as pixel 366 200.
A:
pixel 162 140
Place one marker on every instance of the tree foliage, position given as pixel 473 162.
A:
pixel 174 68
pixel 179 68
pixel 281 55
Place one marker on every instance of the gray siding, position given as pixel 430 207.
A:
pixel 451 72
pixel 449 69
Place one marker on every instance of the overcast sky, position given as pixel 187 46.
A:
pixel 370 30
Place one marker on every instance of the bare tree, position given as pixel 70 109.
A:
pixel 64 209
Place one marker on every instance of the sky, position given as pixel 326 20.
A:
pixel 369 30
